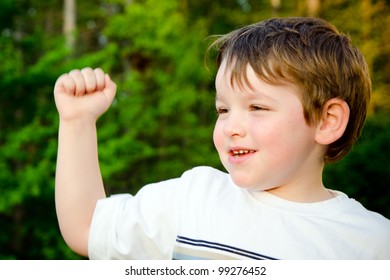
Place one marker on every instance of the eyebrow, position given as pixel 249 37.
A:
pixel 252 95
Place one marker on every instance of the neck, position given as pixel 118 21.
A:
pixel 302 195
pixel 305 188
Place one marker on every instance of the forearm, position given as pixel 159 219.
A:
pixel 78 182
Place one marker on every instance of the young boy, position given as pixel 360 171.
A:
pixel 291 94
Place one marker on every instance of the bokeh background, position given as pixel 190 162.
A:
pixel 161 121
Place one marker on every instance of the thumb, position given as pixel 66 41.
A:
pixel 110 89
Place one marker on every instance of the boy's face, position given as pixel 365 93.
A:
pixel 261 134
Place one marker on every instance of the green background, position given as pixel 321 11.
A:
pixel 161 121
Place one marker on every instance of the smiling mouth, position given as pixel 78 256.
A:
pixel 240 153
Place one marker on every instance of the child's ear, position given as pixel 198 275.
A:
pixel 333 122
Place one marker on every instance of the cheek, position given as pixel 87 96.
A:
pixel 293 139
pixel 282 136
pixel 218 136
pixel 265 133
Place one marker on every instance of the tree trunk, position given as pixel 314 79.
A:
pixel 70 23
pixel 313 7
pixel 275 7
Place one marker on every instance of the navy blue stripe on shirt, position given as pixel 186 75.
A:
pixel 222 247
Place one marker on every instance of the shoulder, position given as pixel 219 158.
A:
pixel 203 179
pixel 205 173
pixel 198 175
pixel 357 213
pixel 209 178
pixel 198 180
pixel 371 225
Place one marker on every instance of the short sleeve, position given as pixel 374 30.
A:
pixel 143 226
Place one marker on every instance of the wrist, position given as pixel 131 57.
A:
pixel 77 125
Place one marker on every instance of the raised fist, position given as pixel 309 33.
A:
pixel 83 94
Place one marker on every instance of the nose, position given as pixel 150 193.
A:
pixel 234 126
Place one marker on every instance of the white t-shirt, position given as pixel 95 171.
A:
pixel 203 215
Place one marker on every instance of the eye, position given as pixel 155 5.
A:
pixel 222 110
pixel 258 108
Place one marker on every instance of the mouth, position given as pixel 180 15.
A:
pixel 240 152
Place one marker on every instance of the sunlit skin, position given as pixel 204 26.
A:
pixel 261 136
pixel 263 140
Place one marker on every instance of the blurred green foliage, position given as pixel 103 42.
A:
pixel 162 119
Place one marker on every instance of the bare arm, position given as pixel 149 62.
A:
pixel 81 97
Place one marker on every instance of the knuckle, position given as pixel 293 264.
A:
pixel 98 70
pixel 86 70
pixel 74 72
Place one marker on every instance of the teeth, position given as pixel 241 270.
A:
pixel 241 152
